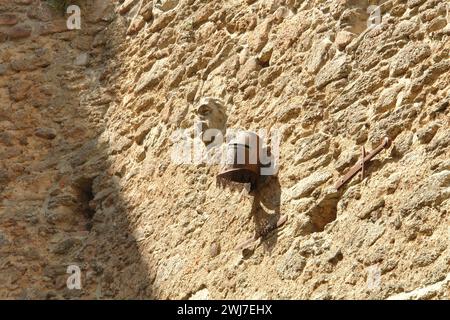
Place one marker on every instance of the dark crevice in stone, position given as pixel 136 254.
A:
pixel 85 196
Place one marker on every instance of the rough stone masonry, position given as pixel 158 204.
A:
pixel 86 124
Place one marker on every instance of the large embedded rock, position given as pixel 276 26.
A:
pixel 152 77
pixel 307 185
pixel 334 70
pixel 409 56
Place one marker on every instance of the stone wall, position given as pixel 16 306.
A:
pixel 53 165
pixel 87 176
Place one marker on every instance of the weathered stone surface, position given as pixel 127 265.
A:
pixel 439 143
pixel 214 249
pixel 343 38
pixel 319 55
pixel 260 36
pixel 409 56
pixel 431 193
pixel 402 144
pixel 44 13
pixel 394 123
pixel 89 121
pixel 405 28
pixel 427 133
pixel 347 159
pixel 202 294
pixel 292 265
pixel 3 240
pixel 19 31
pixel 3 69
pixel 265 54
pixel 45 133
pixel 82 59
pixel 19 89
pixel 152 77
pixel 147 11
pixel 126 6
pixel 364 84
pixel 39 59
pixel 364 213
pixel 250 68
pixel 312 147
pixel 8 19
pixel 101 11
pixel 137 24
pixel 65 246
pixel 165 5
pixel 52 27
pixel 309 184
pixel 388 98
pixel 23 2
pixel 414 3
pixel 334 70
pixel 162 21
pixel 437 24
pixel 428 292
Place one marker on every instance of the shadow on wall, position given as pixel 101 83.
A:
pixel 266 212
pixel 111 251
pixel 78 213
